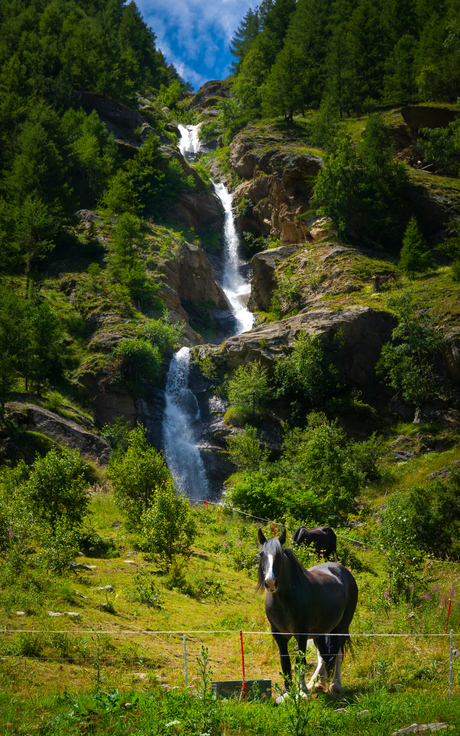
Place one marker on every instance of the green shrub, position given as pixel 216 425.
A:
pixel 146 591
pixel 135 360
pixel 57 490
pixel 249 387
pixel 414 256
pixel 137 475
pixel 245 449
pixel 168 527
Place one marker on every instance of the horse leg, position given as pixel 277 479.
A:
pixel 285 659
pixel 336 685
pixel 318 678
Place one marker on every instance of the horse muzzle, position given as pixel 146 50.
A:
pixel 271 585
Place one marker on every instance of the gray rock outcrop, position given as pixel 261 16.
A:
pixel 63 431
pixel 352 337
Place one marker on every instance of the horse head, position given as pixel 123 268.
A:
pixel 271 561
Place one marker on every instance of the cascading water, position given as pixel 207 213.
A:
pixel 181 430
pixel 236 288
pixel 181 423
pixel 189 144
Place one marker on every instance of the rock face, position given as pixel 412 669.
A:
pixel 209 93
pixel 264 265
pixel 63 431
pixel 279 191
pixel 195 207
pixel 352 337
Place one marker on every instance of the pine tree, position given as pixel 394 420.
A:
pixel 243 37
pixel 414 256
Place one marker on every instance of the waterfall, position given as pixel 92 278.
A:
pixel 236 288
pixel 189 144
pixel 181 423
pixel 181 429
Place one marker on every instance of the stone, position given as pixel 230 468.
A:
pixel 63 431
pixel 108 588
pixel 352 337
pixel 53 613
pixel 264 265
pixel 118 118
pixel 428 116
pixel 421 728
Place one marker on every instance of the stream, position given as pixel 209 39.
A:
pixel 182 422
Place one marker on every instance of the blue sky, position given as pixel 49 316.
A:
pixel 194 34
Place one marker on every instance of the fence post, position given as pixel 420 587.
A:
pixel 185 661
pixel 451 662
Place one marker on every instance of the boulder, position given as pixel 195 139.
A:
pixel 264 265
pixel 119 119
pixel 212 89
pixel 352 337
pixel 60 430
pixel 428 116
pixel 451 354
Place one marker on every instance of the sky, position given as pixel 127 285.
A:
pixel 195 34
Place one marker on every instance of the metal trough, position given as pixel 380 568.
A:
pixel 234 689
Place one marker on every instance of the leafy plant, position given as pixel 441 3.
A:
pixel 137 475
pixel 249 387
pixel 168 527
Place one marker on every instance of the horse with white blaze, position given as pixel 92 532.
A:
pixel 317 604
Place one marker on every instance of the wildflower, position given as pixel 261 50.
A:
pixel 238 544
pixel 10 535
pixel 387 593
pixel 451 592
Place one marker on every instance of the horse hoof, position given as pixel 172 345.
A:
pixel 336 688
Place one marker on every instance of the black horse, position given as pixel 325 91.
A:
pixel 307 604
pixel 323 537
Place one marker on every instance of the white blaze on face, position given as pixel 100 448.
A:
pixel 270 581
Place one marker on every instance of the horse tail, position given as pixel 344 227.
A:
pixel 330 646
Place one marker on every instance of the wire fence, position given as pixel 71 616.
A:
pixel 192 640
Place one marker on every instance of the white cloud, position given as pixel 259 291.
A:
pixel 194 34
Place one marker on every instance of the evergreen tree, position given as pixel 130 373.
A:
pixel 284 90
pixel 414 256
pixel 243 38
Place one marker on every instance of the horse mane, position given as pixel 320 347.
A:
pixel 298 569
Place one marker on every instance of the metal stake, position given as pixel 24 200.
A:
pixel 451 662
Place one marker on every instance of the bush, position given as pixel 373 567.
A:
pixel 137 475
pixel 245 449
pixel 168 527
pixel 305 377
pixel 135 360
pixel 57 490
pixel 249 387
pixel 407 361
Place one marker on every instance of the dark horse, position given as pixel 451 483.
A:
pixel 323 537
pixel 307 604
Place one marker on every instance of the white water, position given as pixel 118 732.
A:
pixel 189 144
pixel 181 429
pixel 236 288
pixel 181 423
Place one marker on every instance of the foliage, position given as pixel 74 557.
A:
pixel 407 361
pixel 403 559
pixel 137 475
pixel 283 90
pixel 305 377
pixel 363 190
pixel 116 433
pixel 317 478
pixel 432 516
pixel 57 490
pixel 168 527
pixel 125 263
pixel 245 450
pixel 414 252
pixel 135 360
pixel 442 146
pixel 249 387
pixel 146 591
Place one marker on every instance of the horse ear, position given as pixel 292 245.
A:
pixel 282 536
pixel 260 534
